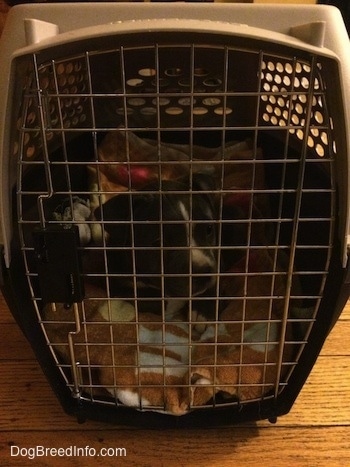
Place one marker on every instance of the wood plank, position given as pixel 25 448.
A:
pixel 238 446
pixel 5 314
pixel 13 344
pixel 334 344
pixel 346 312
pixel 325 398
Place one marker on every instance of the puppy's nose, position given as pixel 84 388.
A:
pixel 202 278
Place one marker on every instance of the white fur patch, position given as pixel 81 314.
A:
pixel 167 366
pixel 199 258
pixel 130 398
pixel 264 333
pixel 117 310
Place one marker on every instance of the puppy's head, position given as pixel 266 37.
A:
pixel 169 234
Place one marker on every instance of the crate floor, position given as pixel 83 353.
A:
pixel 315 432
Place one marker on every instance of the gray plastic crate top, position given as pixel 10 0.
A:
pixel 32 28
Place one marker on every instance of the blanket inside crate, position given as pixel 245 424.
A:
pixel 178 365
pixel 133 355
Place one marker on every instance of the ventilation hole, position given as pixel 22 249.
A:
pixel 136 101
pixel 315 132
pixel 185 82
pixel 69 68
pixel 310 142
pixel 319 150
pixel 269 109
pixel 61 81
pixel 299 108
pixel 318 117
pixel 266 117
pixel 172 72
pixel 281 102
pixel 288 68
pixel 147 72
pixel 295 119
pixel 300 134
pixel 186 101
pixel 44 83
pixel 266 87
pixel 71 80
pixel 269 77
pixel 211 101
pixel 174 110
pixel 298 68
pixel 305 83
pixel 135 82
pixel 31 117
pixel 286 80
pixel 306 68
pixel 274 120
pixel 148 111
pixel 264 98
pixel 212 82
pixel 223 110
pixel 200 111
pixel 282 123
pixel 324 138
pixel 272 99
pixel 201 72
pixel 279 67
pixel 121 111
pixel 296 82
pixel 162 101
pixel 60 69
pixel 302 98
pixel 30 151
pixel 277 111
pixel 278 79
pixel 271 66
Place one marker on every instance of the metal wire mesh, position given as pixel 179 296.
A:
pixel 125 126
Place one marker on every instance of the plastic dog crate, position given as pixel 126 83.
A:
pixel 174 203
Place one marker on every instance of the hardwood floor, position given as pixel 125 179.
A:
pixel 315 433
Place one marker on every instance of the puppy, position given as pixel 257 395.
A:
pixel 165 238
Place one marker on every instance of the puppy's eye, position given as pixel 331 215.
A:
pixel 210 230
